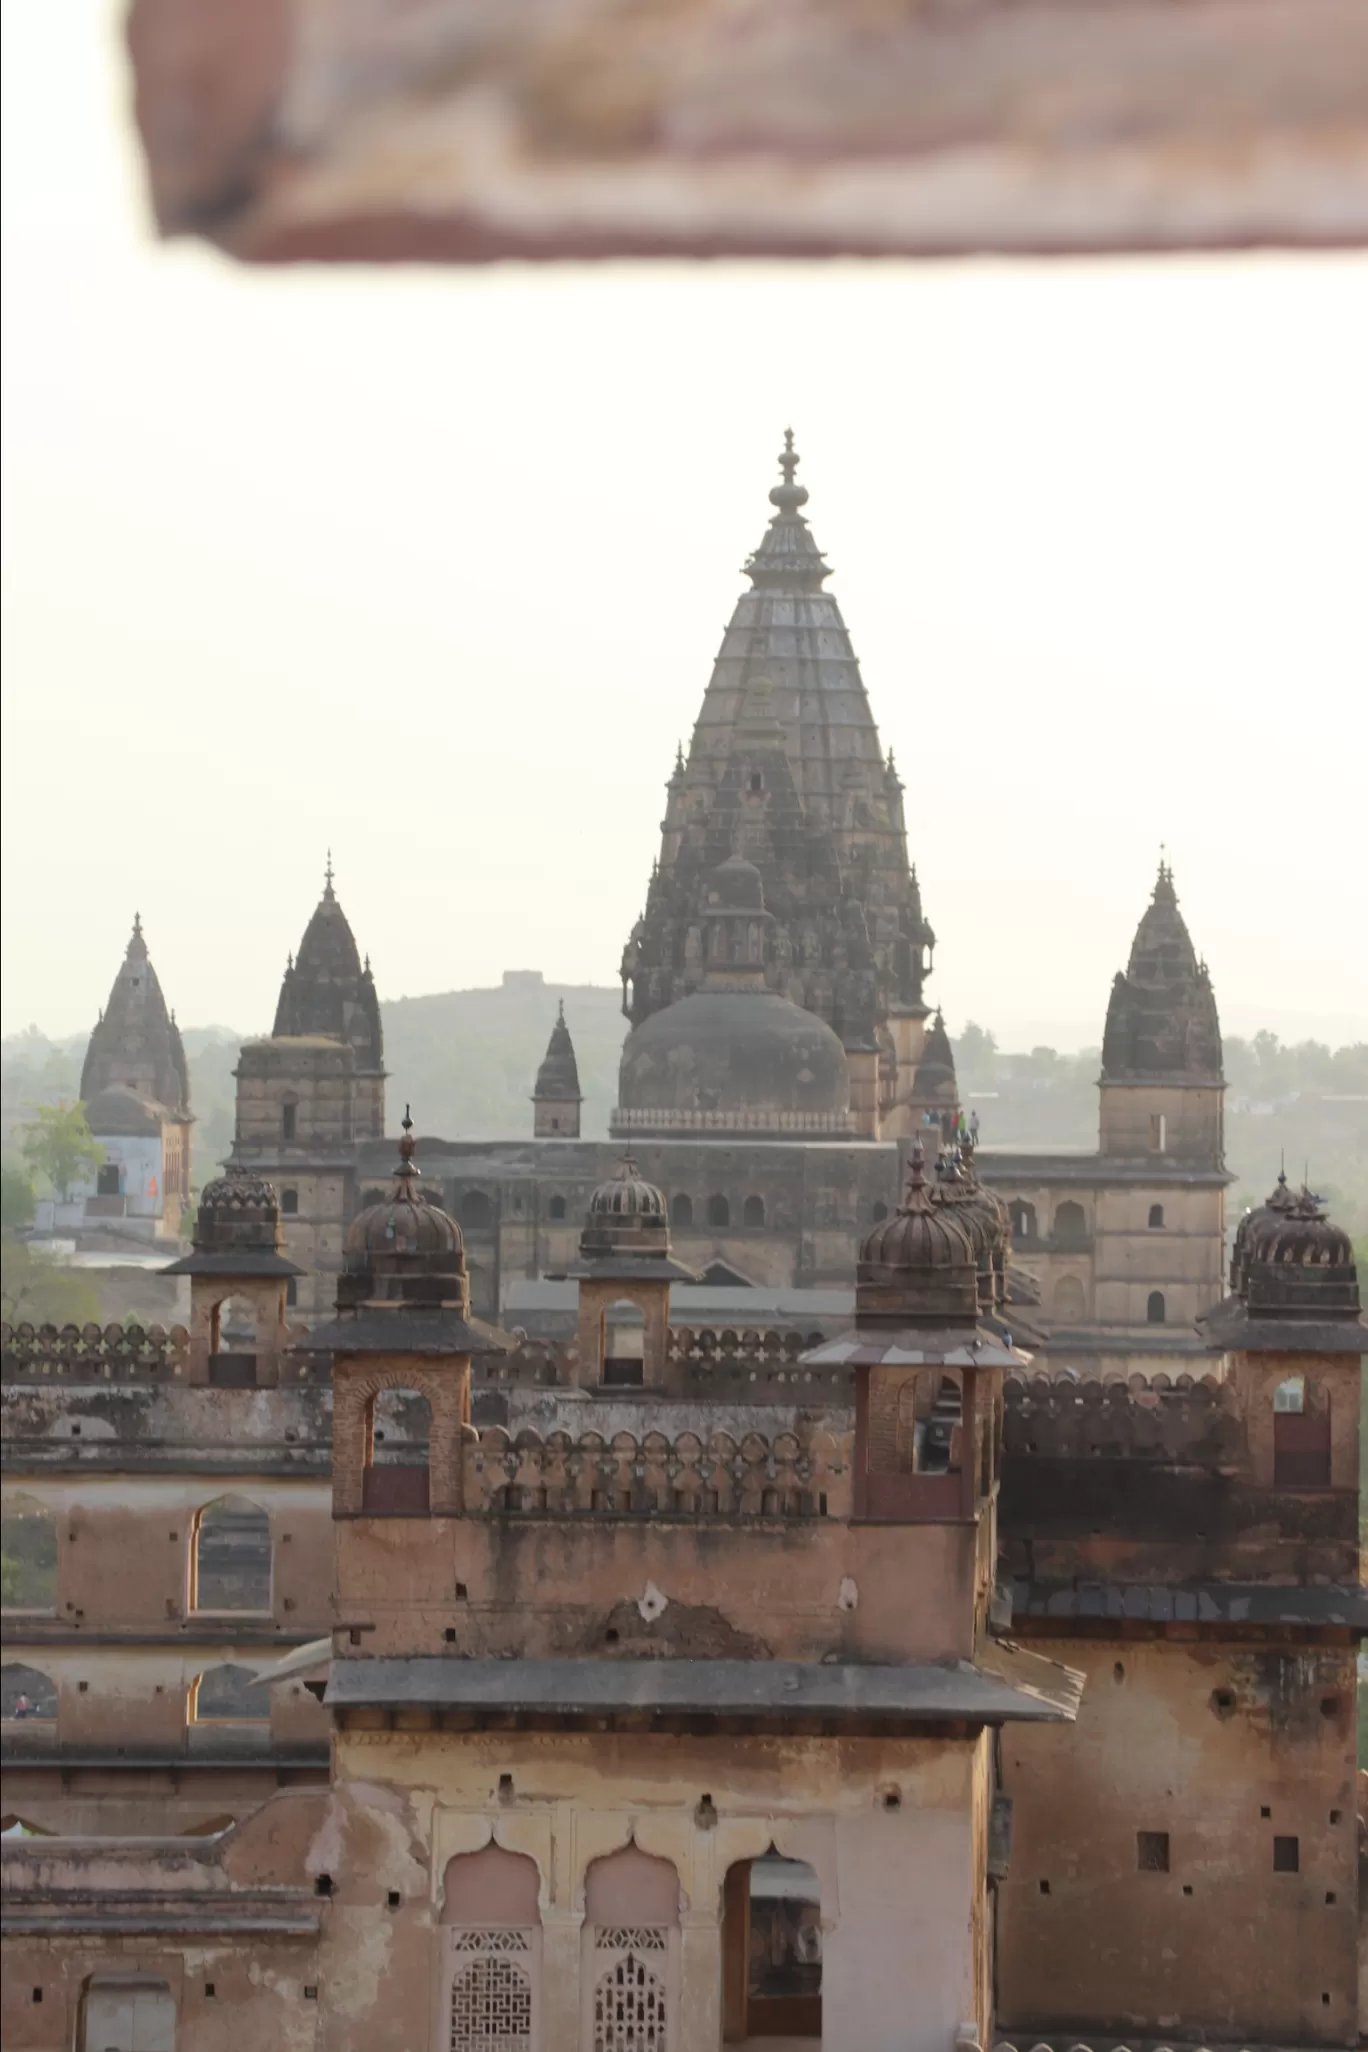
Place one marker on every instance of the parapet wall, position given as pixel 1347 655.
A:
pixel 1187 1421
pixel 783 1477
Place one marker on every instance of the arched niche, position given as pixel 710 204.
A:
pixel 629 1976
pixel 28 1537
pixel 681 1209
pixel 26 1693
pixel 231 1557
pixel 225 1695
pixel 624 1344
pixel 753 1212
pixel 1156 1310
pixel 490 1993
pixel 1069 1304
pixel 1070 1224
pixel 719 1212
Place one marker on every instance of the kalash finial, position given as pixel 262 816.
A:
pixel 788 496
pixel 328 876
pixel 407 1146
pixel 915 1196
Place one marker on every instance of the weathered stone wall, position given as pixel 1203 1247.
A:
pixel 1224 1750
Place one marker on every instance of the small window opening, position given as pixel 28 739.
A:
pixel 757 782
pixel 450 1635
pixel 289 1202
pixel 393 1898
pixel 505 1788
pixel 1335 1816
pixel 1187 1888
pixel 1223 1702
pixel 719 1212
pixel 209 1990
pixel 287 1121
pixel 681 1210
pixel 1044 1887
pixel 753 1211
pixel 1286 1856
pixel 1152 1852
pixel 323 1884
pixel 1290 1396
pixel 1158 1132
pixel 1264 1810
pixel 556 1208
pixel 1156 1217
pixel 291 1291
pixel 1156 1311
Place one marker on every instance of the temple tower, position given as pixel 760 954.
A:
pixel 785 769
pixel 135 1087
pixel 310 1091
pixel 556 1096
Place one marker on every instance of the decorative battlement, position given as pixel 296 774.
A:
pixel 783 1477
pixel 129 1353
pixel 1184 1420
pixel 94 1353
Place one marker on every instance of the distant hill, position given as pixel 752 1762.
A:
pixel 467 1059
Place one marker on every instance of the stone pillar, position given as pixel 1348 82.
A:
pixel 700 1980
pixel 561 1979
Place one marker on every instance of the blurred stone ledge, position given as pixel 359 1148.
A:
pixel 465 131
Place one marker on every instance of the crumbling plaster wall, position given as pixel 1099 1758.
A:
pixel 1223 1748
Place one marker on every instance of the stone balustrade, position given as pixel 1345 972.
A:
pixel 94 1353
pixel 689 1476
pixel 1183 1419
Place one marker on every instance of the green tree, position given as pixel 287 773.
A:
pixel 37 1291
pixel 16 1198
pixel 59 1145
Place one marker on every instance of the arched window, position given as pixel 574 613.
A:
pixel 476 1210
pixel 1023 1219
pixel 772 1950
pixel 127 2013
pixel 629 1976
pixel 289 1202
pixel 1289 1398
pixel 287 1121
pixel 556 1208
pixel 28 1546
pixel 233 1326
pixel 26 1692
pixel 1156 1216
pixel 398 1434
pixel 1070 1304
pixel 681 1209
pixel 491 1954
pixel 879 1213
pixel 753 1211
pixel 230 1566
pixel 1155 1310
pixel 225 1695
pixel 624 1345
pixel 719 1211
pixel 1070 1224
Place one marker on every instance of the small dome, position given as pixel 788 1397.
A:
pixel 627 1196
pixel 1298 1264
pixel 981 1212
pixel 919 1267
pixel 405 1247
pixel 626 1217
pixel 1277 1204
pixel 239 1212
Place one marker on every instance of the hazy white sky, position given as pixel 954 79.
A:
pixel 431 566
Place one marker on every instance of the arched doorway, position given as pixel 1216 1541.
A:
pixel 624 1345
pixel 127 2013
pixel 771 1952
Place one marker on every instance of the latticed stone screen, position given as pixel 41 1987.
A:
pixel 631 2000
pixel 491 1992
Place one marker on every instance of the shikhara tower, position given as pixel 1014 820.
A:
pixel 786 769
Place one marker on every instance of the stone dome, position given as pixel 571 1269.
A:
pixel 733 1061
pixel 238 1210
pixel 1277 1204
pixel 919 1267
pixel 626 1216
pixel 982 1213
pixel 1298 1264
pixel 404 1247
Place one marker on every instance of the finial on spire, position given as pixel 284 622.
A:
pixel 789 460
pixel 560 1012
pixel 137 926
pixel 407 1145
pixel 289 960
pixel 679 756
pixel 328 876
pixel 916 1172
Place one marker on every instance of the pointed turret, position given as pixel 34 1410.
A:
pixel 556 1097
pixel 1161 1081
pixel 786 769
pixel 1162 1018
pixel 326 992
pixel 136 1044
